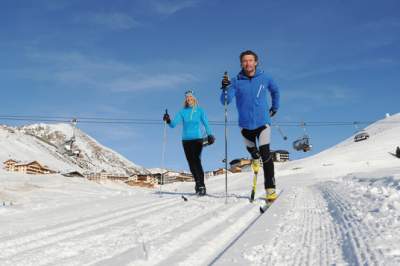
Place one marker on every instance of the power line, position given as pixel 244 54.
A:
pixel 145 121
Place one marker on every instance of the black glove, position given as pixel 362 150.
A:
pixel 210 139
pixel 225 81
pixel 166 118
pixel 272 112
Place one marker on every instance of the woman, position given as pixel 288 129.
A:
pixel 192 117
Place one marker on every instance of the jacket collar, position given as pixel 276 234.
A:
pixel 241 74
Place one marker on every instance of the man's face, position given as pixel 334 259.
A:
pixel 249 63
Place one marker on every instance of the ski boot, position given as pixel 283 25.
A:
pixel 271 194
pixel 196 189
pixel 202 191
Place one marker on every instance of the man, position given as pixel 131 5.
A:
pixel 250 88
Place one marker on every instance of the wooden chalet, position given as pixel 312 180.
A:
pixel 280 156
pixel 143 180
pixel 32 167
pixel 238 165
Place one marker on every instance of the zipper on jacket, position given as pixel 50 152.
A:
pixel 191 114
pixel 259 90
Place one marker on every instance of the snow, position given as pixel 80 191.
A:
pixel 40 142
pixel 22 147
pixel 339 207
pixel 157 170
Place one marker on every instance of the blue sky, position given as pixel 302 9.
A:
pixel 333 61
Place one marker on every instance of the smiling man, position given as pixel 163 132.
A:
pixel 251 88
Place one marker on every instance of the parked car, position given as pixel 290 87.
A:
pixel 361 136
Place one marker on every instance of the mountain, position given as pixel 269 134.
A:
pixel 46 143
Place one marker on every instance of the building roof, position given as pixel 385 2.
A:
pixel 281 151
pixel 235 161
pixel 31 162
pixel 11 160
pixel 27 163
pixel 73 173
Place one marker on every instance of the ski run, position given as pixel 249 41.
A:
pixel 339 207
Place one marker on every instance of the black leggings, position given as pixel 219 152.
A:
pixel 193 150
pixel 263 151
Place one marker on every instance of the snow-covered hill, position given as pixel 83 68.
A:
pixel 42 142
pixel 339 207
pixel 15 144
pixel 349 156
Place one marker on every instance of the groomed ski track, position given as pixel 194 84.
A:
pixel 308 225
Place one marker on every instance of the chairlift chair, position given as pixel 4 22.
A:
pixel 303 143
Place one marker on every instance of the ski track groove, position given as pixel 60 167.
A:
pixel 48 237
pixel 161 254
pixel 220 236
pixel 171 228
pixel 355 234
pixel 162 238
pixel 27 253
pixel 72 221
pixel 310 230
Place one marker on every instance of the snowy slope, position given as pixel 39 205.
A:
pixel 340 207
pixel 41 141
pixel 20 146
pixel 349 156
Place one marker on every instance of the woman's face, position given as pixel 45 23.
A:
pixel 190 100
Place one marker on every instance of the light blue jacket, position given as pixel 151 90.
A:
pixel 191 118
pixel 251 98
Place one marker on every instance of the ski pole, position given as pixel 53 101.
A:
pixel 280 130
pixel 164 144
pixel 226 137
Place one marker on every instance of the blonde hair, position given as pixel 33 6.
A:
pixel 196 102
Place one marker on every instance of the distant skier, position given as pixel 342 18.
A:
pixel 398 152
pixel 192 116
pixel 250 87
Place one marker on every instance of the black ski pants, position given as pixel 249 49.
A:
pixel 263 135
pixel 193 150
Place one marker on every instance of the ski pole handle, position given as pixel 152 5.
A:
pixel 166 117
pixel 225 81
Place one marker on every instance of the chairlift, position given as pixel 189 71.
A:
pixel 68 146
pixel 74 122
pixel 303 143
pixel 360 134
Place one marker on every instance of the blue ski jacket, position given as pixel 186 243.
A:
pixel 251 98
pixel 192 118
